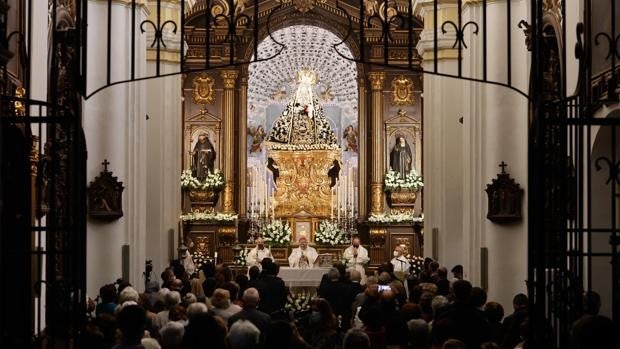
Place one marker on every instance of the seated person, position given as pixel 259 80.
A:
pixel 304 256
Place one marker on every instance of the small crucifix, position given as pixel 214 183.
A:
pixel 503 166
pixel 105 164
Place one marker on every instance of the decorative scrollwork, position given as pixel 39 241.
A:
pixel 386 17
pixel 158 30
pixel 612 47
pixel 233 20
pixel 460 32
pixel 614 170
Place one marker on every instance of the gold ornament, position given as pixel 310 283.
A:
pixel 229 77
pixel 20 107
pixel 402 91
pixel 376 198
pixel 377 236
pixel 228 198
pixel 376 80
pixel 203 89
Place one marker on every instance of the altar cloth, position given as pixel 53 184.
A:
pixel 294 277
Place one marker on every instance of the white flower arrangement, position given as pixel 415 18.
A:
pixel 277 233
pixel 394 218
pixel 329 233
pixel 417 264
pixel 214 181
pixel 299 302
pixel 240 260
pixel 208 216
pixel 199 259
pixel 394 180
pixel 317 146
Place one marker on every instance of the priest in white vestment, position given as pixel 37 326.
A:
pixel 256 255
pixel 400 263
pixel 356 257
pixel 304 256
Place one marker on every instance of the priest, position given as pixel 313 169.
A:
pixel 304 256
pixel 400 263
pixel 356 257
pixel 256 255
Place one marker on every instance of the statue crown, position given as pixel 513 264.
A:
pixel 306 76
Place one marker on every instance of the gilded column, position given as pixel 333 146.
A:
pixel 241 133
pixel 377 80
pixel 229 78
pixel 363 144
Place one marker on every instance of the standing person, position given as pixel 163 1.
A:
pixel 356 257
pixel 256 255
pixel 400 263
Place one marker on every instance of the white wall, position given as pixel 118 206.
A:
pixel 460 159
pixel 115 129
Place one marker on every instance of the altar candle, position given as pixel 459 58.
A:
pixel 331 203
pixel 338 200
pixel 273 206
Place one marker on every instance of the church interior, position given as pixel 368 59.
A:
pixel 310 173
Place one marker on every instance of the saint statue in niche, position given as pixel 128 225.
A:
pixel 400 157
pixel 203 157
pixel 350 136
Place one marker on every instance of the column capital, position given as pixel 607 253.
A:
pixel 229 77
pixel 377 78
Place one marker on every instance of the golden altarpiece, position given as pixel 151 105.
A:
pixel 304 176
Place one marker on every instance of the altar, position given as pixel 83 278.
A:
pixel 295 277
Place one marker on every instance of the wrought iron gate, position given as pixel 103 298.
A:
pixel 43 151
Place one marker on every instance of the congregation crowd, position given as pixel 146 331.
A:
pixel 221 310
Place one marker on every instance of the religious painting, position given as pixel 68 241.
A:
pixel 256 136
pixel 350 139
pixel 302 228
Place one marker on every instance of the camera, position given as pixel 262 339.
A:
pixel 384 288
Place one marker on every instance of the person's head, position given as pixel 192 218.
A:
pixel 418 334
pixel 243 335
pixel 457 271
pixel 494 312
pixel 242 281
pixel 453 344
pixel 442 273
pixel 303 242
pixel 320 305
pixel 250 297
pixel 172 335
pixel 260 243
pixel 264 263
pixel 333 274
pixel 254 272
pixel 220 298
pixel 176 285
pixel 355 241
pixel 489 345
pixel 131 322
pixel 189 298
pixel 434 266
pixel 462 292
pixel 437 304
pixel 356 339
pixel 384 278
pixel 208 269
pixel 280 335
pixel 108 293
pixel 196 308
pixel 519 302
pixel 410 311
pixel 355 276
pixel 204 331
pixel 398 251
pixel 371 280
pixel 233 290
pixel 591 303
pixel 478 297
pixel 342 269
pixel 172 299
pixel 128 294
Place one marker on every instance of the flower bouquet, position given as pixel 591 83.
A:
pixel 394 181
pixel 240 260
pixel 329 233
pixel 394 218
pixel 299 302
pixel 417 264
pixel 277 234
pixel 207 216
pixel 214 181
pixel 199 259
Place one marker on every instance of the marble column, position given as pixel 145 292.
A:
pixel 242 140
pixel 229 79
pixel 377 79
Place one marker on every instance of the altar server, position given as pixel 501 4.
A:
pixel 356 257
pixel 256 255
pixel 304 256
pixel 400 263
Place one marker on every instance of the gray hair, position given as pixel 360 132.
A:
pixel 438 302
pixel 243 335
pixel 172 298
pixel 251 297
pixel 333 274
pixel 355 339
pixel 196 308
pixel 128 294
pixel 172 334
pixel 190 298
